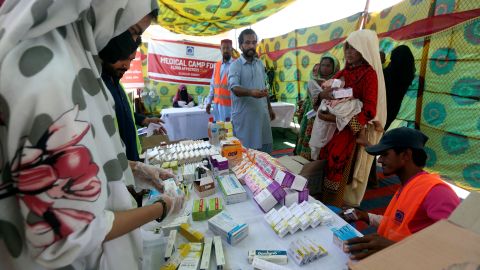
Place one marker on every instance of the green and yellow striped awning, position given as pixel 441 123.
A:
pixel 210 17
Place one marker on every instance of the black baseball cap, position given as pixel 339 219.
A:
pixel 402 137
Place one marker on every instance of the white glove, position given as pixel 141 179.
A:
pixel 191 104
pixel 150 175
pixel 181 103
pixel 175 205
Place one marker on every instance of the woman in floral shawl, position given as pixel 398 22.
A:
pixel 322 71
pixel 63 196
pixel 348 164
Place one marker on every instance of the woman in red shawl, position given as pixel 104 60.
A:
pixel 341 151
pixel 183 99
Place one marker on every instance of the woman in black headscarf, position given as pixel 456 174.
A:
pixel 183 99
pixel 399 75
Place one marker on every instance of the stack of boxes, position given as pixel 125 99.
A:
pixel 228 228
pixel 206 208
pixel 270 196
pixel 219 165
pixel 304 251
pixel 297 217
pixel 231 149
pixel 172 155
pixel 192 255
pixel 232 190
pixel 295 186
pixel 204 186
pixel 342 234
pixel 270 182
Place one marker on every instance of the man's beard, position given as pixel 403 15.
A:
pixel 226 57
pixel 116 73
pixel 250 52
pixel 120 72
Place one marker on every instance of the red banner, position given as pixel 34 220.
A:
pixel 182 61
pixel 133 78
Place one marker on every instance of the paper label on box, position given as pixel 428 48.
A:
pixel 285 213
pixel 204 265
pixel 190 262
pixel 219 251
pixel 311 114
pixel 263 195
pixel 299 183
pixel 280 176
pixel 271 215
pixel 343 93
pixel 231 185
pixel 265 200
pixel 205 181
pixel 336 83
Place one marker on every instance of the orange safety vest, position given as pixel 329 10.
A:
pixel 221 94
pixel 404 206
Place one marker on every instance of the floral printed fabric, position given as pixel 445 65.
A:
pixel 62 165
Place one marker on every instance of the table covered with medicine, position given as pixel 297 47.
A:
pixel 243 210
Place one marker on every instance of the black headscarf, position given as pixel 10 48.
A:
pixel 399 75
pixel 119 48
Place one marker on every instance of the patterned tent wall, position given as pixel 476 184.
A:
pixel 207 17
pixel 159 95
pixel 449 112
pixel 294 54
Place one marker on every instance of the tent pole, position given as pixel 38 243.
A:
pixel 423 71
pixel 363 18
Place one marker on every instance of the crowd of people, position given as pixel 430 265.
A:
pixel 69 146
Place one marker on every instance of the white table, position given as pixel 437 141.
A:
pixel 185 123
pixel 260 236
pixel 283 114
pixel 192 123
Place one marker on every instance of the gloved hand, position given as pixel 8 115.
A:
pixel 174 206
pixel 190 104
pixel 174 203
pixel 182 103
pixel 149 175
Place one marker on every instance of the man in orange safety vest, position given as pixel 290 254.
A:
pixel 422 199
pixel 219 93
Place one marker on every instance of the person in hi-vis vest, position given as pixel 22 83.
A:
pixel 422 199
pixel 219 93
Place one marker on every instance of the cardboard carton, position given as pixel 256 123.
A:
pixel 152 141
pixel 199 211
pixel 215 206
pixel 447 244
pixel 293 164
pixel 204 186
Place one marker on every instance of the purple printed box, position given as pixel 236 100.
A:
pixel 213 161
pixel 222 164
pixel 270 196
pixel 289 180
pixel 277 191
pixel 284 178
pixel 294 196
pixel 303 195
pixel 265 200
pixel 299 183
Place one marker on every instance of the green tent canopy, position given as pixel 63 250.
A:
pixel 208 17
